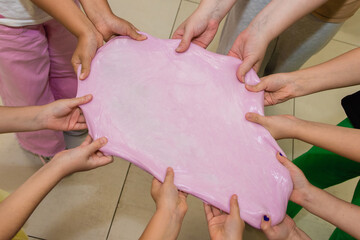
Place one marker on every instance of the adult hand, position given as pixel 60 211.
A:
pixel 278 88
pixel 222 225
pixel 64 114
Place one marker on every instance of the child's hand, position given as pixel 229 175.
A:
pixel 64 115
pixel 167 197
pixel 278 88
pixel 301 186
pixel 222 225
pixel 286 230
pixel 279 126
pixel 85 157
pixel 85 51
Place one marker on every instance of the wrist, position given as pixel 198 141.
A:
pixel 215 9
pixel 172 222
pixel 40 120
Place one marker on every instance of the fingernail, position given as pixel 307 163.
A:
pixel 280 154
pixel 266 218
pixel 235 197
pixel 82 76
pixel 103 140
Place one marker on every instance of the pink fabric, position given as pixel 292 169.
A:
pixel 35 69
pixel 159 108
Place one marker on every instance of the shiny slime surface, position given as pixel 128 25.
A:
pixel 159 108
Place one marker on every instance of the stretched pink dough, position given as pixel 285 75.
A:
pixel 159 108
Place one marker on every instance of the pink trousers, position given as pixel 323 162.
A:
pixel 35 69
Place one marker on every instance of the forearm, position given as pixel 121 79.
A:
pixel 16 209
pixel 97 11
pixel 278 15
pixel 340 140
pixel 216 9
pixel 163 226
pixel 69 14
pixel 342 214
pixel 342 71
pixel 19 119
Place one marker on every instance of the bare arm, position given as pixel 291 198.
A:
pixel 16 209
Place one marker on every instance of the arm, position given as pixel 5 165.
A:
pixel 340 140
pixel 278 15
pixel 342 214
pixel 202 25
pixel 171 207
pixel 16 209
pixel 62 115
pixel 342 71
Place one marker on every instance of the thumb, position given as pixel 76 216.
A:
pixel 74 102
pixel 261 86
pixel 169 178
pixel 85 68
pixel 135 35
pixel 255 118
pixel 234 206
pixel 284 161
pixel 185 42
pixel 96 145
pixel 244 67
pixel 266 225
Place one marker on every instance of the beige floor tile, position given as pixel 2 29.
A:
pixel 81 206
pixel 155 17
pixel 350 31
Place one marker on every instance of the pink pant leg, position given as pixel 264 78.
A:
pixel 61 46
pixel 24 73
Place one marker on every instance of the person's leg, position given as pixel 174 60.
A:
pixel 24 70
pixel 299 42
pixel 338 234
pixel 324 169
pixel 62 44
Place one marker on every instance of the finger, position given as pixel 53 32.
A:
pixel 234 206
pixel 185 42
pixel 75 62
pixel 87 141
pixel 261 86
pixel 169 178
pixel 244 67
pixel 255 118
pixel 74 102
pixel 135 35
pixel 284 161
pixel 80 126
pixel 96 145
pixel 216 212
pixel 155 186
pixel 208 213
pixel 85 68
pixel 81 118
pixel 102 161
pixel 266 225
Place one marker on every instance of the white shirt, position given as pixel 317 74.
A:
pixel 17 13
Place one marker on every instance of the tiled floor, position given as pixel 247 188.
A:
pixel 113 202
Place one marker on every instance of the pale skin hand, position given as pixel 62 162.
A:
pixel 63 115
pixel 16 209
pixel 171 207
pixel 340 140
pixel 284 86
pixel 222 225
pixel 201 27
pixel 250 46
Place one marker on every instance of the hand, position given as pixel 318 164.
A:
pixel 85 51
pixel 279 126
pixel 301 186
pixel 250 47
pixel 85 157
pixel 222 225
pixel 199 28
pixel 64 115
pixel 278 88
pixel 167 197
pixel 285 230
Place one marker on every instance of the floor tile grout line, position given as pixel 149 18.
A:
pixel 36 237
pixel 177 13
pixel 191 1
pixel 117 204
pixel 352 44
